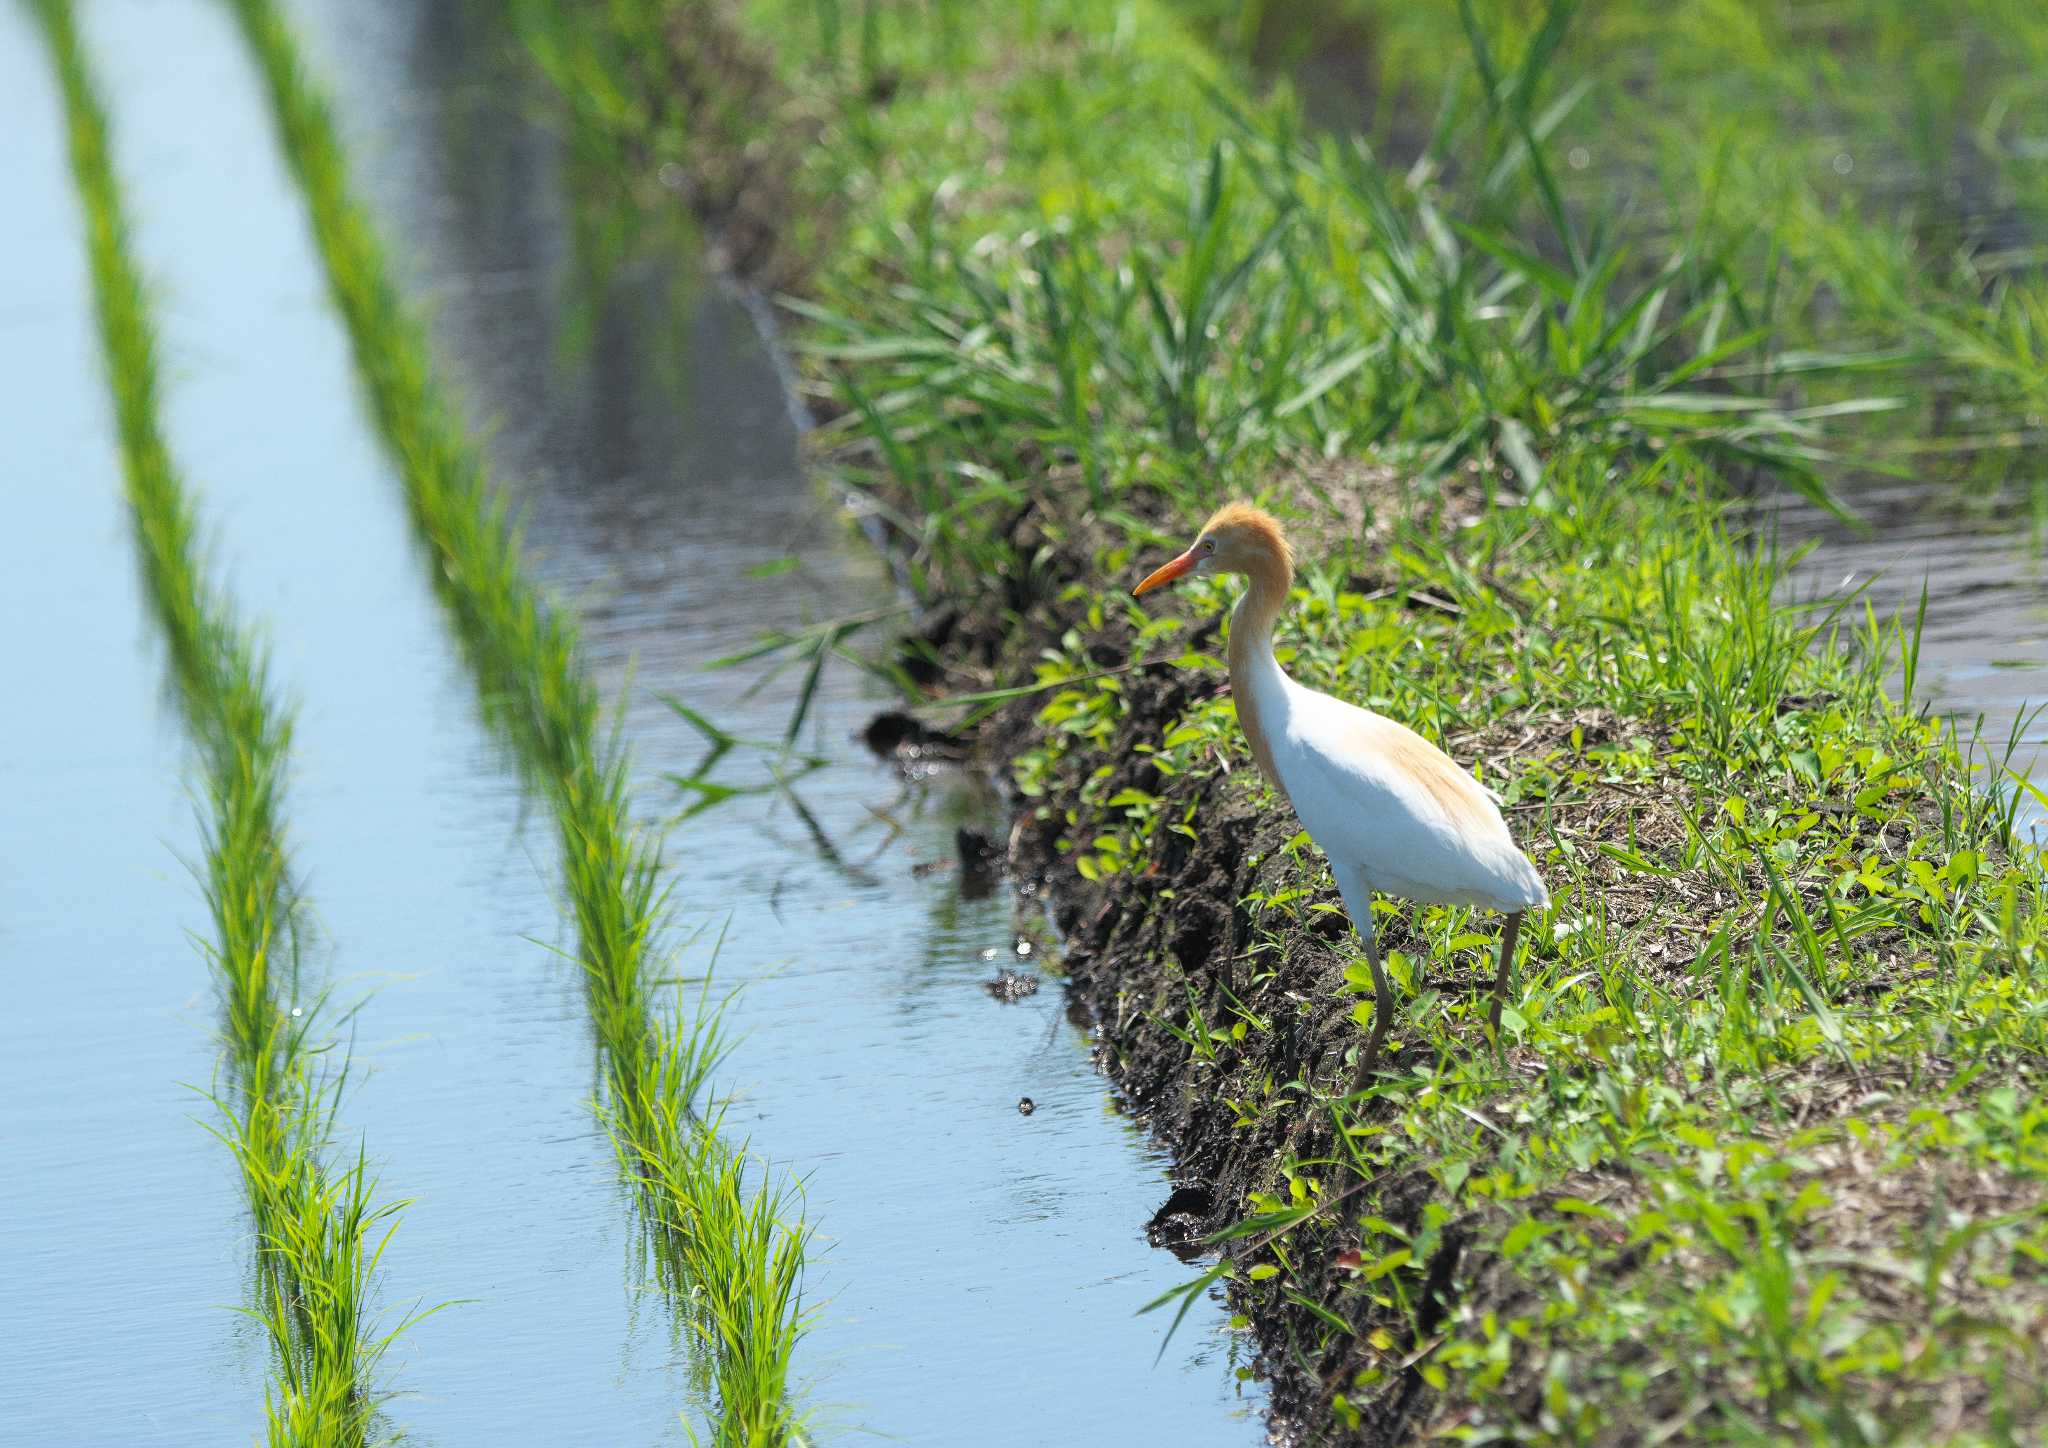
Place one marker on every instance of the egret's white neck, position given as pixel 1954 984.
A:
pixel 1256 682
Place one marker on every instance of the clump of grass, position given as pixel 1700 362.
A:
pixel 320 1230
pixel 735 1243
pixel 1791 991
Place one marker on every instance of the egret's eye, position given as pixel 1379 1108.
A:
pixel 1208 545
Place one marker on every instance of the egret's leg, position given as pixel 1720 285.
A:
pixel 1382 1000
pixel 1358 900
pixel 1508 932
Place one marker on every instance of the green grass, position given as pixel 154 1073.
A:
pixel 319 1230
pixel 1783 940
pixel 732 1243
pixel 1866 166
pixel 1759 1153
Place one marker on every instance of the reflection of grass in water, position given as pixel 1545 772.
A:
pixel 733 1250
pixel 321 1233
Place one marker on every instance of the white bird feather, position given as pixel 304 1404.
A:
pixel 1379 797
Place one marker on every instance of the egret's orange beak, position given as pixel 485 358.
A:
pixel 1181 567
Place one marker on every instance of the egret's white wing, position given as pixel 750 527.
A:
pixel 1381 799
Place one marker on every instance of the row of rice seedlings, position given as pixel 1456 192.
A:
pixel 734 1242
pixel 320 1231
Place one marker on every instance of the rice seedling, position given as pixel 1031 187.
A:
pixel 1757 1155
pixel 732 1243
pixel 320 1231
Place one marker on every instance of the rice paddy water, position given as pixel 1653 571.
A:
pixel 1984 649
pixel 319 1229
pixel 967 1254
pixel 431 883
pixel 726 1239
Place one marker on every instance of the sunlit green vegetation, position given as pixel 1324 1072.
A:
pixel 319 1229
pixel 1759 1151
pixel 1871 169
pixel 730 1242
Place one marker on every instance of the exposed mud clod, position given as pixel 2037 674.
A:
pixel 1181 1225
pixel 893 734
pixel 1202 924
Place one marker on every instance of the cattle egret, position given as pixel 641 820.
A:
pixel 1392 811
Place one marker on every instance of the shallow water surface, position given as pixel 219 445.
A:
pixel 431 897
pixel 123 1242
pixel 977 1272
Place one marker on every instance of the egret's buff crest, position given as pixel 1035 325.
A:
pixel 1253 534
pixel 1252 522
